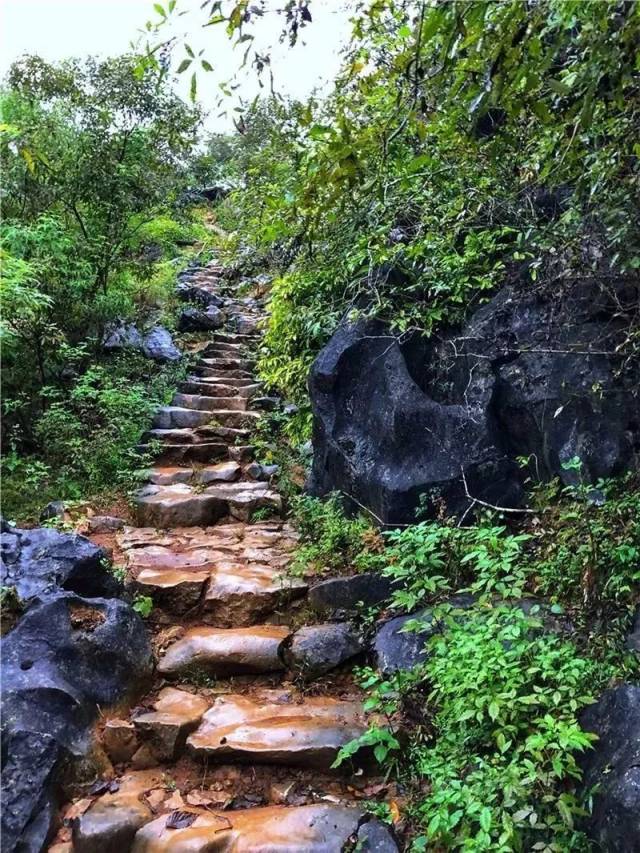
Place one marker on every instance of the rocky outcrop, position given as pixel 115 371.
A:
pixel 38 562
pixel 159 346
pixel 66 658
pixel 613 765
pixel 533 374
pixel 156 344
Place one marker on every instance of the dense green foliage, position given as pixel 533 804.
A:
pixel 94 161
pixel 465 144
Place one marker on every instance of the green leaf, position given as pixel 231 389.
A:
pixel 485 819
pixel 193 87
pixel 206 65
pixel 183 66
pixel 159 9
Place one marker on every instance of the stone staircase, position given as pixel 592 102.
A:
pixel 232 749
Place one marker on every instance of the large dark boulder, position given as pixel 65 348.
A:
pixel 346 593
pixel 614 767
pixel 41 561
pixel 121 335
pixel 67 658
pixel 535 374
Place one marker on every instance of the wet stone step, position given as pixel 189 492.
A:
pixel 321 828
pixel 274 726
pixel 225 374
pixel 174 417
pixel 209 403
pixel 165 729
pixel 181 454
pixel 222 472
pixel 234 574
pixel 180 506
pixel 224 652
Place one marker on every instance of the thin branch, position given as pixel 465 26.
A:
pixel 492 506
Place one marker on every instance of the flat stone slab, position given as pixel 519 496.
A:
pixel 321 828
pixel 236 573
pixel 231 651
pixel 175 714
pixel 276 727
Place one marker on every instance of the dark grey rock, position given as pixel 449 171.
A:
pixel 532 374
pixel 65 659
pixel 198 320
pixel 265 404
pixel 317 649
pixel 396 648
pixel 121 335
pixel 105 523
pixel 159 346
pixel 633 640
pixel 614 766
pixel 375 837
pixel 189 291
pixel 245 325
pixel 346 593
pixel 30 763
pixel 54 509
pixel 38 562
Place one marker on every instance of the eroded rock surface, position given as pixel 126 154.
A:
pixel 274 726
pixel 532 374
pixel 317 649
pixel 614 766
pixel 228 651
pixel 38 562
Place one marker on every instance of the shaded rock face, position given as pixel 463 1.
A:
pixel 122 335
pixel 197 320
pixel 530 375
pixel 614 765
pixel 346 593
pixel 66 657
pixel 41 561
pixel 159 346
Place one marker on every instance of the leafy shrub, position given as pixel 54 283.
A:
pixel 331 540
pixel 505 699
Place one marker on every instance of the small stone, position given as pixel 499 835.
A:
pixel 317 649
pixel 375 837
pixel 105 524
pixel 54 509
pixel 119 740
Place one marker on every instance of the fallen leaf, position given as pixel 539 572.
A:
pixel 195 798
pixel 394 811
pixel 180 820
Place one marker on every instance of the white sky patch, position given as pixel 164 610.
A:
pixel 59 29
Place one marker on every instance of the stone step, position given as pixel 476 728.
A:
pixel 188 454
pixel 318 828
pixel 225 652
pixel 176 417
pixel 209 403
pixel 233 338
pixel 217 379
pixel 175 714
pixel 225 374
pixel 234 573
pixel 275 727
pixel 200 387
pixel 222 472
pixel 224 364
pixel 228 434
pixel 179 505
